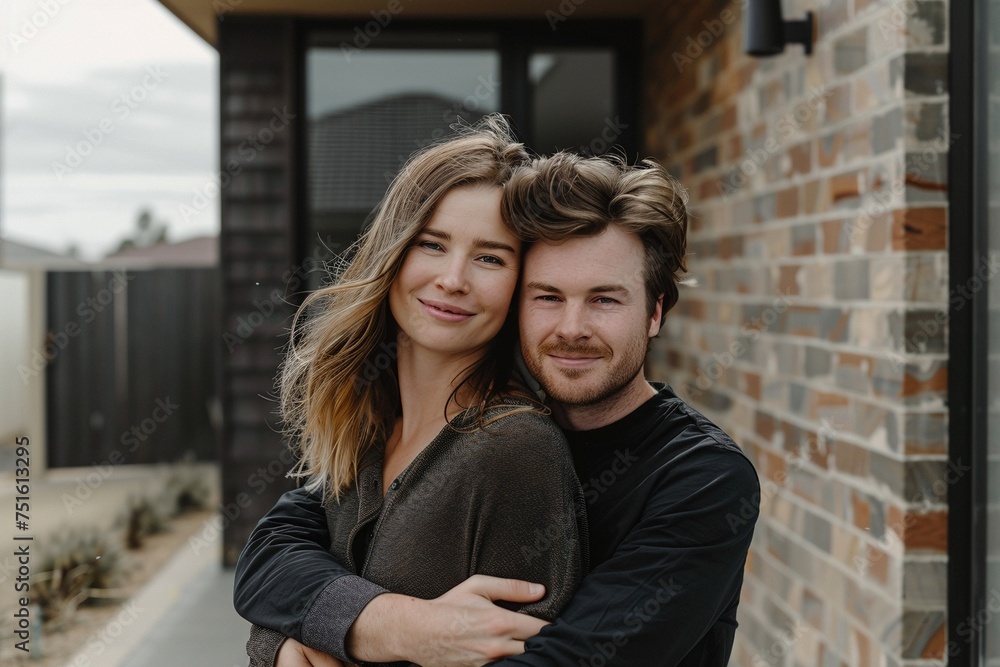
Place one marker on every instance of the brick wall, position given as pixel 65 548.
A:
pixel 815 334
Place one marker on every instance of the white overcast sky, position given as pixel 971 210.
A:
pixel 64 82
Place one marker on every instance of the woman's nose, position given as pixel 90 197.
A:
pixel 453 277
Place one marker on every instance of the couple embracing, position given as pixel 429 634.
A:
pixel 463 507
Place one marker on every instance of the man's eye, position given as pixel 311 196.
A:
pixel 606 300
pixel 547 297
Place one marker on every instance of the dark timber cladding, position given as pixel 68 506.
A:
pixel 259 119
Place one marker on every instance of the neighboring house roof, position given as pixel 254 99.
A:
pixel 202 251
pixel 15 255
pixel 354 153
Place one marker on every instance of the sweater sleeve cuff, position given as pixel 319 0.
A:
pixel 263 646
pixel 334 611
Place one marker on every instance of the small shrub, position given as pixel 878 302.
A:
pixel 79 565
pixel 187 490
pixel 143 516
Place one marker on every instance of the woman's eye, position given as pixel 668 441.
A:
pixel 430 245
pixel 491 259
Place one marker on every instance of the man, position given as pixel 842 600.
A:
pixel 671 500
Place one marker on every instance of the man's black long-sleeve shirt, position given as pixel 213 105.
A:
pixel 671 504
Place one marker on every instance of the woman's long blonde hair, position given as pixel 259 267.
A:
pixel 338 386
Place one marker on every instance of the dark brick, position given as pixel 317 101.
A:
pixel 926 73
pixel 706 159
pixel 924 332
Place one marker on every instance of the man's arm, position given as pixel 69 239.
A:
pixel 287 580
pixel 667 585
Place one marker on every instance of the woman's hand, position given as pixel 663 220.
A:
pixel 294 654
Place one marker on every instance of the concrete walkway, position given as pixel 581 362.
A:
pixel 183 616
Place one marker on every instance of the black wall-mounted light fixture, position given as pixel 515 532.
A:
pixel 766 32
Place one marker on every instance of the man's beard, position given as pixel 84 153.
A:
pixel 565 386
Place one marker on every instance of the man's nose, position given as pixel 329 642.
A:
pixel 574 323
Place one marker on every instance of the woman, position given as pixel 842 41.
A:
pixel 442 465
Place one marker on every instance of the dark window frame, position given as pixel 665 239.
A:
pixel 968 341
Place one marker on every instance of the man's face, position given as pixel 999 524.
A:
pixel 584 324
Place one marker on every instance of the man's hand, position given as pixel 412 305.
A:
pixel 294 654
pixel 462 628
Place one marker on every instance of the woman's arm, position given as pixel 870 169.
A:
pixel 530 510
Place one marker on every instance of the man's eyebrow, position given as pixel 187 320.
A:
pixel 477 242
pixel 609 288
pixel 599 289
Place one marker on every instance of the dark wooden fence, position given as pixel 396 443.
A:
pixel 133 372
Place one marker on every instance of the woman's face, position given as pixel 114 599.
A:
pixel 453 291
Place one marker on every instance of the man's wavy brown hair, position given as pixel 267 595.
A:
pixel 563 196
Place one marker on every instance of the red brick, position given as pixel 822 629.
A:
pixel 927 531
pixel 786 203
pixel 801 159
pixel 938 382
pixel 812 196
pixel 920 229
pixel 844 186
pixel 788 282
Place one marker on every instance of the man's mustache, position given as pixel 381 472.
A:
pixel 568 350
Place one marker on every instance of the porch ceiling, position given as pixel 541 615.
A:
pixel 202 15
